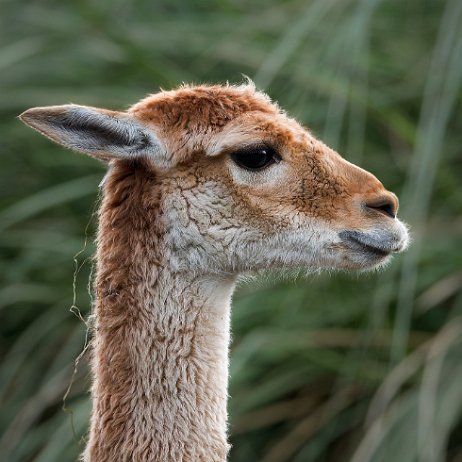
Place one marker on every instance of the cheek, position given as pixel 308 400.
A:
pixel 261 182
pixel 275 198
pixel 286 195
pixel 317 192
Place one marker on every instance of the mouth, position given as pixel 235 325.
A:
pixel 377 245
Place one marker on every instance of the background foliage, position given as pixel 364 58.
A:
pixel 331 368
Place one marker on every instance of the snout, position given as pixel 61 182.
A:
pixel 380 233
pixel 376 232
pixel 368 230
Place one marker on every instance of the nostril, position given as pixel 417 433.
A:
pixel 387 206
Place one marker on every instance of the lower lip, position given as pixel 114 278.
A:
pixel 373 250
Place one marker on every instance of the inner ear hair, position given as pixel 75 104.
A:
pixel 106 130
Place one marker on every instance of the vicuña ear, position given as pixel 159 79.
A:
pixel 102 134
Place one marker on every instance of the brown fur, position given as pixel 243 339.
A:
pixel 177 224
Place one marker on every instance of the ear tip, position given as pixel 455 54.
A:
pixel 31 115
pixel 43 111
pixel 37 116
pixel 26 115
pixel 28 118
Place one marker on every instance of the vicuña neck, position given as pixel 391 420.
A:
pixel 160 358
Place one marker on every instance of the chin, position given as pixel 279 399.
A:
pixel 370 264
pixel 360 264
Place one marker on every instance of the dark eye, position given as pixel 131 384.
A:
pixel 256 158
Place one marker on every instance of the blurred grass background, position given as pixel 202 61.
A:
pixel 332 368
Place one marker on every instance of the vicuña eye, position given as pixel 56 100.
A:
pixel 255 158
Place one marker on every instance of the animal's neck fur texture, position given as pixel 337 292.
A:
pixel 160 358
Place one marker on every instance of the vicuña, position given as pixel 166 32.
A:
pixel 204 183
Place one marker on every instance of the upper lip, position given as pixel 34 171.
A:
pixel 378 244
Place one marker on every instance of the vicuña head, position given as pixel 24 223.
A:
pixel 204 182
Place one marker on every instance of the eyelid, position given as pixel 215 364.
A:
pixel 255 147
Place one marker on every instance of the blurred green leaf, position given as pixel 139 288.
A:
pixel 324 368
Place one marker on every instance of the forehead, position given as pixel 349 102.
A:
pixel 213 119
pixel 201 107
